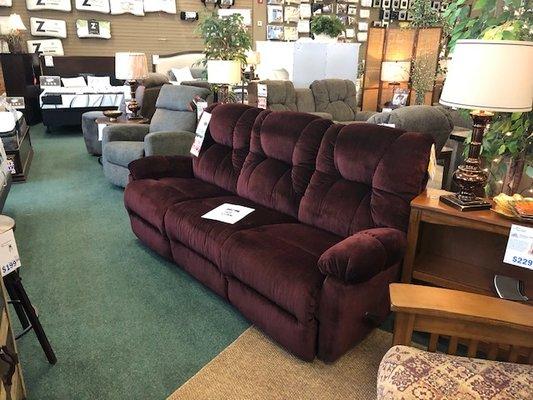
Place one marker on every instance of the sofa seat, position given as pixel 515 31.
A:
pixel 122 153
pixel 150 199
pixel 280 263
pixel 184 224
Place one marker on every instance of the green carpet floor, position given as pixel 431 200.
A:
pixel 124 323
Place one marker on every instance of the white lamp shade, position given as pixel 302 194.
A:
pixel 15 23
pixel 224 72
pixel 130 66
pixel 490 75
pixel 395 71
pixel 253 57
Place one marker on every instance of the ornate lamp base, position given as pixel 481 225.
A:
pixel 478 203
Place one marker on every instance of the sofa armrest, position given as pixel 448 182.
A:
pixel 324 115
pixel 364 115
pixel 125 133
pixel 363 255
pixel 168 143
pixel 156 167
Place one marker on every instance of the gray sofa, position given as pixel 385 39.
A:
pixel 328 98
pixel 171 132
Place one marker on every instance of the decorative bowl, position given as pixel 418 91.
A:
pixel 112 114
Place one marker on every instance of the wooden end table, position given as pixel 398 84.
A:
pixel 458 250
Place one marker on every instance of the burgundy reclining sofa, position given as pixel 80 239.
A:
pixel 328 232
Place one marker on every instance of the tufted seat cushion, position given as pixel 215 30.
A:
pixel 412 374
pixel 336 97
pixel 184 224
pixel 122 153
pixel 151 198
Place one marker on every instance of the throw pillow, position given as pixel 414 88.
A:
pixel 182 74
pixel 74 82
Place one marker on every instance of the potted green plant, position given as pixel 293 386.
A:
pixel 508 143
pixel 226 41
pixel 326 28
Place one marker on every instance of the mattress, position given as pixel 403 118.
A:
pixel 83 97
pixel 12 126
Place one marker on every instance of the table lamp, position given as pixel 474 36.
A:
pixel 395 72
pixel 131 67
pixel 14 37
pixel 485 76
pixel 223 73
pixel 253 58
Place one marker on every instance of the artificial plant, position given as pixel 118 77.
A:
pixel 225 38
pixel 508 143
pixel 331 26
pixel 422 77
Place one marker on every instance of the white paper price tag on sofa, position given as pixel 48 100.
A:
pixel 519 249
pixel 9 254
pixel 228 213
pixel 201 129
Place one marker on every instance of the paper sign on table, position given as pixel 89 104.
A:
pixel 519 249
pixel 201 129
pixel 9 254
pixel 228 213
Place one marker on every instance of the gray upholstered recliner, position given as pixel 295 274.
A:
pixel 146 95
pixel 171 132
pixel 338 98
pixel 433 120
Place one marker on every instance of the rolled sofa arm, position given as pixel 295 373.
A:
pixel 363 255
pixel 168 143
pixel 156 167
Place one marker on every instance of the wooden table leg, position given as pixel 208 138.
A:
pixel 412 241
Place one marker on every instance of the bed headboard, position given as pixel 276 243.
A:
pixel 73 66
pixel 178 60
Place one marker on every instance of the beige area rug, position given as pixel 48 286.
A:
pixel 253 367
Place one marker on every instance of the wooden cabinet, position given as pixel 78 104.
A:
pixel 458 250
pixel 11 380
pixel 20 158
pixel 21 74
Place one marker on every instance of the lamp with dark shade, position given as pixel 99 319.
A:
pixel 131 67
pixel 485 76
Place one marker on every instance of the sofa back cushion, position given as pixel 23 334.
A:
pixel 172 109
pixel 336 97
pixel 366 176
pixel 281 95
pixel 226 144
pixel 282 157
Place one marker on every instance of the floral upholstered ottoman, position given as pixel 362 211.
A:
pixel 408 373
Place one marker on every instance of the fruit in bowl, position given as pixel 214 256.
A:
pixel 515 206
pixel 112 114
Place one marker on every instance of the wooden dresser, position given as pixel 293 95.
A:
pixel 11 382
pixel 458 250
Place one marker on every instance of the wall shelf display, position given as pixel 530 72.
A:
pixel 135 7
pixel 93 29
pixel 47 47
pixel 275 32
pixel 58 5
pixel 168 6
pixel 48 27
pixel 274 14
pixel 101 6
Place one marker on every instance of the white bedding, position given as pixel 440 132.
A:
pixel 82 97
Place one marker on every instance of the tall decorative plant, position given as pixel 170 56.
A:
pixel 508 142
pixel 225 38
pixel 424 15
pixel 422 77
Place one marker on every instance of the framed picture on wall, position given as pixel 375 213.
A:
pixel 399 98
pixel 6 3
pixel 275 32
pixel 404 4
pixel 395 4
pixel 402 16
pixel 385 4
pixel 342 8
pixel 274 14
pixel 376 3
pixel 376 24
